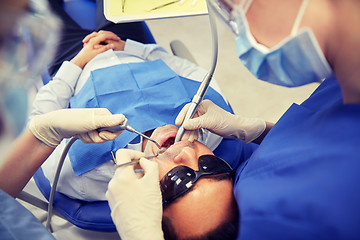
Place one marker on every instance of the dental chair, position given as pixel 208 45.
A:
pixel 96 215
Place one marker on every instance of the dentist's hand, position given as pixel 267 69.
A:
pixel 210 116
pixel 51 128
pixel 136 202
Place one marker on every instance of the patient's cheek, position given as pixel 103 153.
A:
pixel 202 149
pixel 164 167
pixel 144 148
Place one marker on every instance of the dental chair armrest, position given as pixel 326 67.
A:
pixel 179 49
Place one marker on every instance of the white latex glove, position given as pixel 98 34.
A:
pixel 52 127
pixel 191 135
pixel 136 202
pixel 217 120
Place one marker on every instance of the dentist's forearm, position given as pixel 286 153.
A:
pixel 26 156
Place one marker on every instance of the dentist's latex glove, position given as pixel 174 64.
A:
pixel 136 202
pixel 191 135
pixel 51 128
pixel 208 115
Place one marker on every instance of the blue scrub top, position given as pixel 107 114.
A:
pixel 16 222
pixel 303 181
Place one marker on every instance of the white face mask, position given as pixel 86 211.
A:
pixel 295 61
pixel 24 54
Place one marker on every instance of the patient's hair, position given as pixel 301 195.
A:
pixel 228 230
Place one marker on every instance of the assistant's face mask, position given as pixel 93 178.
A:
pixel 24 53
pixel 295 61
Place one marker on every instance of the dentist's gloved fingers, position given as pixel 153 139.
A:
pixel 52 127
pixel 223 123
pixel 190 135
pixel 100 119
pixel 203 117
pixel 180 117
pixel 107 136
pixel 98 137
pixel 136 203
pixel 201 110
pixel 127 155
pixel 151 170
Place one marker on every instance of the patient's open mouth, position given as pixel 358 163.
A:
pixel 170 141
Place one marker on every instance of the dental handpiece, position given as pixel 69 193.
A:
pixel 125 126
pixel 206 81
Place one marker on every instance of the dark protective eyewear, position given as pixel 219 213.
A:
pixel 180 179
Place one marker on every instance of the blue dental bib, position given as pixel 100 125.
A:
pixel 149 94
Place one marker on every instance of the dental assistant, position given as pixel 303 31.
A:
pixel 302 181
pixel 24 51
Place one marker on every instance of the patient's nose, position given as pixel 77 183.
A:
pixel 187 157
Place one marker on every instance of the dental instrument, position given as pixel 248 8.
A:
pixel 124 126
pixel 160 151
pixel 164 5
pixel 206 81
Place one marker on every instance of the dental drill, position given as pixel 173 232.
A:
pixel 206 81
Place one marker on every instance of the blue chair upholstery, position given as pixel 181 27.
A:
pixel 83 12
pixel 86 215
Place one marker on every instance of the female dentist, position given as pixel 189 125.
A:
pixel 302 181
pixel 28 34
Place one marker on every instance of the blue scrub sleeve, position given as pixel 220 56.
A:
pixel 16 222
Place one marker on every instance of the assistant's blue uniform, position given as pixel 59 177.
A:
pixel 17 223
pixel 303 181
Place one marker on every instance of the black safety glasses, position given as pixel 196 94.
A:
pixel 180 179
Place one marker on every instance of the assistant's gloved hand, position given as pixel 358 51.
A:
pixel 136 202
pixel 52 127
pixel 217 120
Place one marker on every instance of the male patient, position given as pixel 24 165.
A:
pixel 122 77
pixel 206 209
